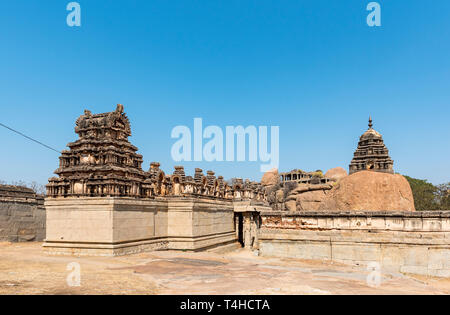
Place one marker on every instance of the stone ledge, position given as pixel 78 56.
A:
pixel 417 214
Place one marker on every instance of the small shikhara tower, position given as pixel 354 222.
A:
pixel 102 162
pixel 371 153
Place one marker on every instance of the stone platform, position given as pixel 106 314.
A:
pixel 30 271
pixel 112 226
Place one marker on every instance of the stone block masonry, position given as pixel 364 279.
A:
pixel 113 226
pixel 22 215
pixel 406 242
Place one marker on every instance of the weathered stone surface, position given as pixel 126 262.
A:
pixel 16 193
pixel 307 197
pixel 370 191
pixel 310 200
pixel 22 215
pixel 291 205
pixel 336 173
pixel 178 272
pixel 270 178
pixel 279 195
pixel 112 226
pixel 386 238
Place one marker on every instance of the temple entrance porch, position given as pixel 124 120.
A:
pixel 247 222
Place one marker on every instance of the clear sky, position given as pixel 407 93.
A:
pixel 312 67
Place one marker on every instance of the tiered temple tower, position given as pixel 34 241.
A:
pixel 102 162
pixel 371 153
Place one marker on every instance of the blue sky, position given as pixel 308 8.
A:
pixel 314 68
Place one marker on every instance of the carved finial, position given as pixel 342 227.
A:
pixel 154 165
pixel 119 108
pixel 370 122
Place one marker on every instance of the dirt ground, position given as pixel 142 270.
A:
pixel 26 269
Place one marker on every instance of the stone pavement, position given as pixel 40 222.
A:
pixel 25 269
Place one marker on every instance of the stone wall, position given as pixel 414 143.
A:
pixel 407 242
pixel 22 215
pixel 110 226
pixel 105 226
pixel 199 223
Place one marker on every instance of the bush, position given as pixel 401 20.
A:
pixel 317 174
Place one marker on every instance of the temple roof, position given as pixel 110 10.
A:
pixel 371 153
pixel 371 133
pixel 116 120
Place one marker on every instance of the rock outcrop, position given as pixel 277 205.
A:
pixel 336 173
pixel 270 178
pixel 370 191
pixel 307 197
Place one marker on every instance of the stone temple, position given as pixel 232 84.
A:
pixel 103 203
pixel 371 153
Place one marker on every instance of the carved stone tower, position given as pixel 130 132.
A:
pixel 102 162
pixel 371 153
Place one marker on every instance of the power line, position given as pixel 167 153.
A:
pixel 29 138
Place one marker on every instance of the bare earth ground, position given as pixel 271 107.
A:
pixel 25 269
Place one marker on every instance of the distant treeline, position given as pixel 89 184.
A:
pixel 429 197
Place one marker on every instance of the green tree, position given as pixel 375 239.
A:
pixel 443 193
pixel 425 194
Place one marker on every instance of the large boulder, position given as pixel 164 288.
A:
pixel 370 191
pixel 310 200
pixel 336 173
pixel 290 206
pixel 270 178
pixel 307 197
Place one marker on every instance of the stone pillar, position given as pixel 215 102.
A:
pixel 236 225
pixel 254 231
pixel 247 230
pixel 176 189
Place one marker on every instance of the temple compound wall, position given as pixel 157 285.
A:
pixel 406 242
pixel 22 215
pixel 114 226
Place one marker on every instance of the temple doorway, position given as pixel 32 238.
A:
pixel 240 228
pixel 247 225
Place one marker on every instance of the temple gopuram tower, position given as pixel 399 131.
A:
pixel 371 153
pixel 102 162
